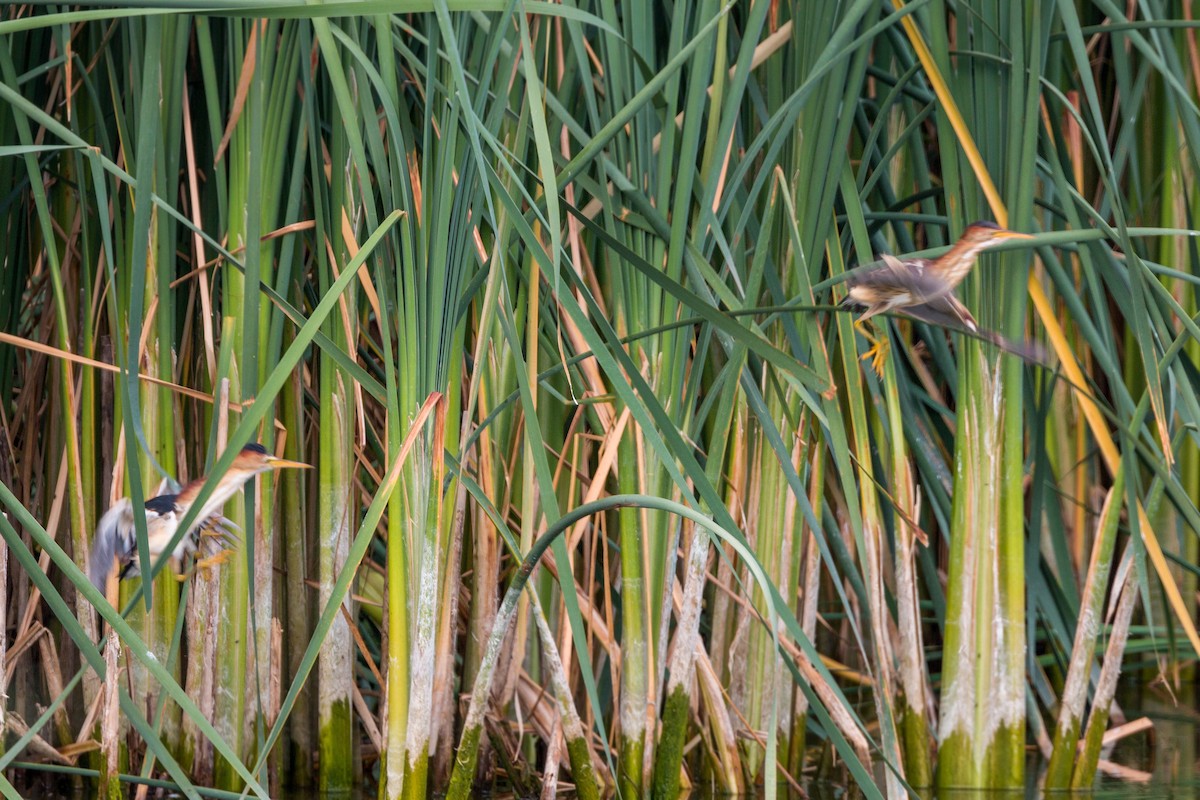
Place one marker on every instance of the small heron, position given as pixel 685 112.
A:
pixel 923 288
pixel 116 535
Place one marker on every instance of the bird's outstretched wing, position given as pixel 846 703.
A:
pixel 946 311
pixel 108 541
pixel 949 312
pixel 116 537
pixel 890 273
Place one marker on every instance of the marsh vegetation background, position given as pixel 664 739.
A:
pixel 604 495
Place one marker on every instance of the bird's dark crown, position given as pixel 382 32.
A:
pixel 983 223
pixel 255 447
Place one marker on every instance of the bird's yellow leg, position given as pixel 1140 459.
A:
pixel 878 351
pixel 213 561
pixel 177 570
pixel 215 533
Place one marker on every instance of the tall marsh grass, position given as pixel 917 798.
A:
pixel 605 494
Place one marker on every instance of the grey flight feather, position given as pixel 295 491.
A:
pixel 108 540
pixel 947 311
pixel 116 536
pixel 914 276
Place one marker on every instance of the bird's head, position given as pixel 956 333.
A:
pixel 953 266
pixel 254 460
pixel 985 234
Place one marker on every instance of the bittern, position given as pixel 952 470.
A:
pixel 916 282
pixel 924 288
pixel 116 535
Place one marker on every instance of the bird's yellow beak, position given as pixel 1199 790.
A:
pixel 1006 234
pixel 283 463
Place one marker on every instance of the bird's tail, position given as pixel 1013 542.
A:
pixel 106 543
pixel 1031 352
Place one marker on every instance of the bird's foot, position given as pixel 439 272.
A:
pixel 877 353
pixel 212 562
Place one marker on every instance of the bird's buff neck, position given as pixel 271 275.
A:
pixel 227 488
pixel 958 260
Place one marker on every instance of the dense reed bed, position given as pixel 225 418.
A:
pixel 605 496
